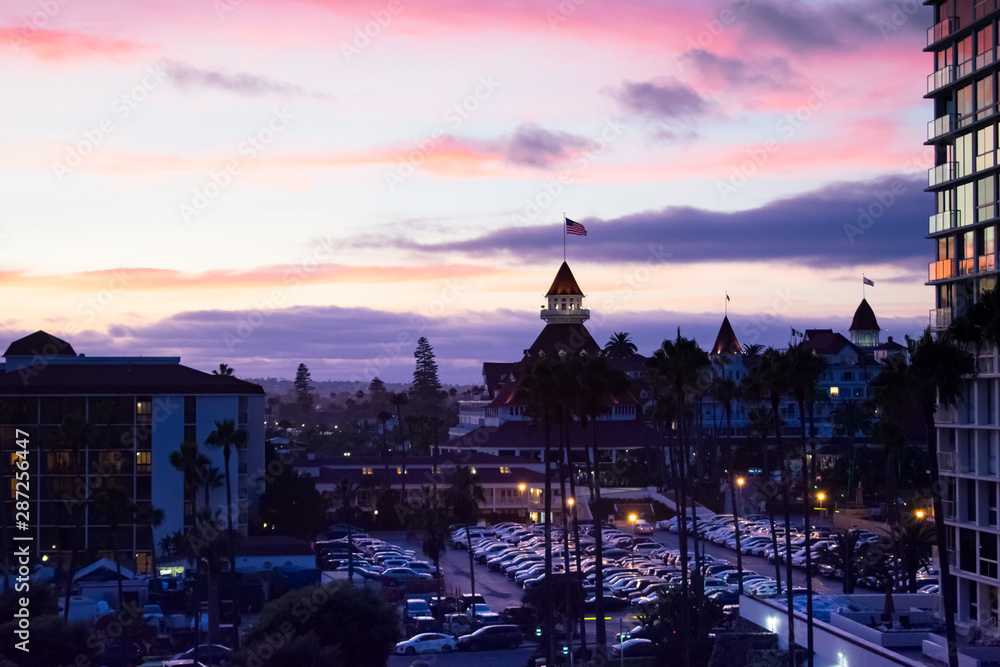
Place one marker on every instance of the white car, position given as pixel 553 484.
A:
pixel 426 642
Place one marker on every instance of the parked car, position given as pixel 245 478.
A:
pixel 492 637
pixel 403 575
pixel 427 642
pixel 642 527
pixel 632 648
pixel 209 654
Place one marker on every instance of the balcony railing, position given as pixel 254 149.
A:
pixel 943 221
pixel 940 318
pixel 940 126
pixel 946 461
pixel 948 507
pixel 984 7
pixel 946 171
pixel 941 270
pixel 985 58
pixel 518 501
pixel 966 68
pixel 967 267
pixel 987 263
pixel 940 78
pixel 941 29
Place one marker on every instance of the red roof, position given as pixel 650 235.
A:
pixel 864 318
pixel 121 379
pixel 725 342
pixel 39 344
pixel 564 284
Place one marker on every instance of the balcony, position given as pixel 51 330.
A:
pixel 947 171
pixel 985 365
pixel 985 58
pixel 940 318
pixel 967 267
pixel 987 263
pixel 946 414
pixel 941 29
pixel 940 78
pixel 943 221
pixel 966 68
pixel 984 7
pixel 941 270
pixel 946 461
pixel 948 507
pixel 940 126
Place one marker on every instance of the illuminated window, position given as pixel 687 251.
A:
pixel 143 462
pixel 473 471
pixel 834 391
pixel 399 471
pixel 504 469
pixel 366 471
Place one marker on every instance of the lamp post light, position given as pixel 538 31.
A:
pixel 920 514
pixel 736 525
pixel 821 497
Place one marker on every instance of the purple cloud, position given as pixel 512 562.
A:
pixel 188 77
pixel 669 99
pixel 769 73
pixel 535 146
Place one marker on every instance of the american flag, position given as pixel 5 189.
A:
pixel 575 228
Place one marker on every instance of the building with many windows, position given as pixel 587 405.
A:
pixel 963 181
pixel 137 410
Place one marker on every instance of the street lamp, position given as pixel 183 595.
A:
pixel 821 497
pixel 736 525
pixel 920 514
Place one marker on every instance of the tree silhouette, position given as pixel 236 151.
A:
pixel 303 393
pixel 620 346
pixel 223 369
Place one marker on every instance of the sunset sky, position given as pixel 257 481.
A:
pixel 267 182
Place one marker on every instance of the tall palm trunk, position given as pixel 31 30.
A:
pixel 601 639
pixel 547 606
pixel 576 531
pixel 786 506
pixel 947 581
pixel 681 469
pixel 805 519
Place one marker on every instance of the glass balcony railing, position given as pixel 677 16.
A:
pixel 940 78
pixel 967 267
pixel 940 318
pixel 943 221
pixel 987 263
pixel 940 126
pixel 965 68
pixel 941 269
pixel 984 7
pixel 941 29
pixel 985 58
pixel 942 173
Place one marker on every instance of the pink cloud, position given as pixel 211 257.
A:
pixel 58 45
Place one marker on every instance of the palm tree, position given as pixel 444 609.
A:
pixel 851 557
pixel 398 401
pixel 804 371
pixel 725 391
pixel 598 382
pixel 915 538
pixel 538 393
pixel 620 346
pixel 463 495
pixel 209 478
pixel 775 377
pixel 225 437
pixel 76 434
pixel 431 519
pixel 681 364
pixel 939 367
pixel 115 506
pixel 384 417
pixel 345 491
pixel 189 462
pixel 149 517
pixel 851 417
pixel 223 369
pixel 204 541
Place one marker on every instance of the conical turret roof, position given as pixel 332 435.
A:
pixel 864 318
pixel 564 284
pixel 725 342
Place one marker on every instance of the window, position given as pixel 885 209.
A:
pixel 986 191
pixel 399 471
pixel 859 392
pixel 848 376
pixel 984 46
pixel 963 105
pixel 505 470
pixel 144 411
pixel 985 104
pixel 143 462
pixel 834 392
pixel 986 145
pixel 366 471
pixel 964 56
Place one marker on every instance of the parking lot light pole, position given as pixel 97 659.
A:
pixel 736 524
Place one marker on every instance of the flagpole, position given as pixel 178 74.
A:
pixel 564 237
pixel 863 283
pixel 727 304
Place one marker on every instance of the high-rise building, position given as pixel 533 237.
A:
pixel 963 135
pixel 84 423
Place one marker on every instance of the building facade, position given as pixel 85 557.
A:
pixel 963 181
pixel 130 414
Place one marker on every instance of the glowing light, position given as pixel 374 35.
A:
pixel 633 518
pixel 920 514
pixel 821 496
pixel 521 487
pixel 570 501
pixel 740 481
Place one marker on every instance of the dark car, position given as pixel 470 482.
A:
pixel 492 637
pixel 611 603
pixel 209 654
pixel 523 617
pixel 632 648
pixel 403 575
pixel 466 600
pixel 120 654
